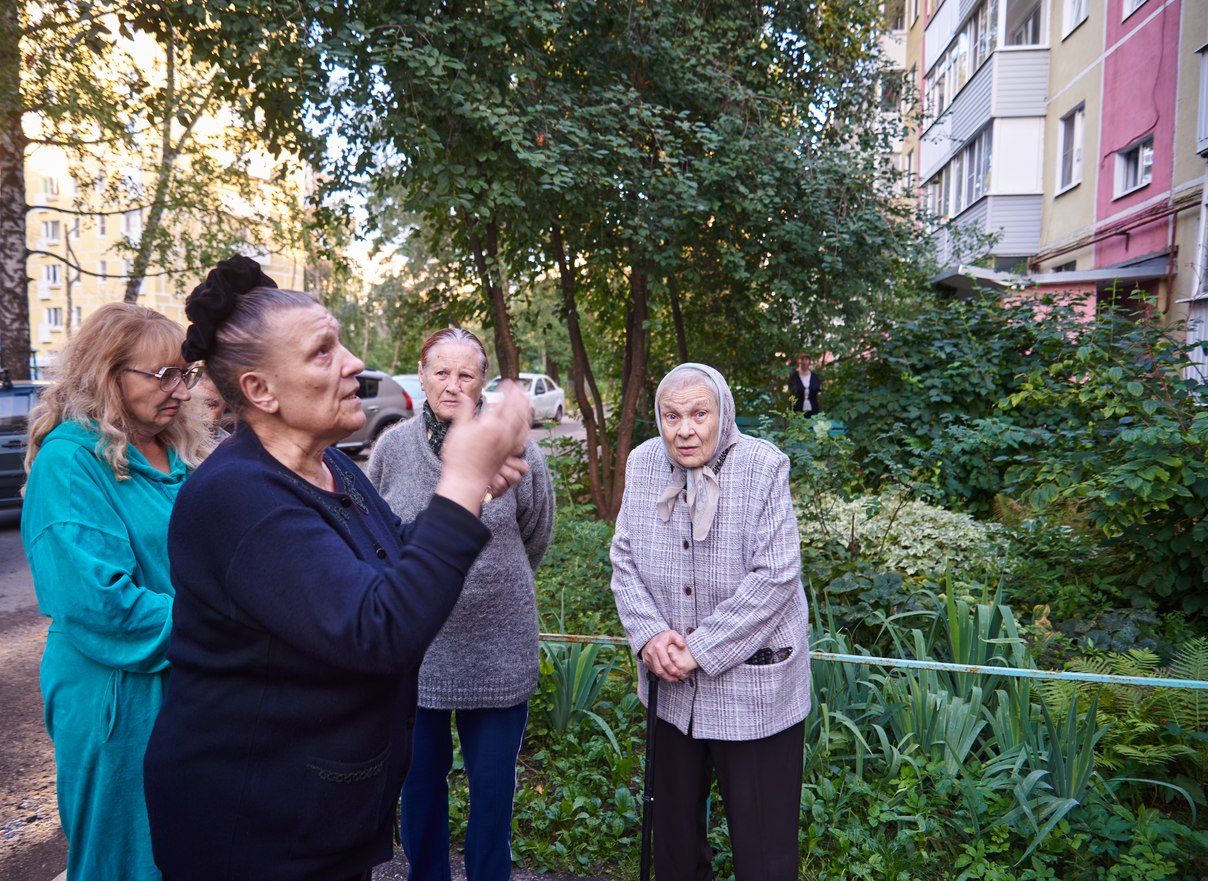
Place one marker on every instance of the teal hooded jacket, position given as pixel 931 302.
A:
pixel 98 551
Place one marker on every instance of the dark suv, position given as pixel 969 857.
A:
pixel 385 404
pixel 16 400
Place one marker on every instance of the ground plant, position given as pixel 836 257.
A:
pixel 908 774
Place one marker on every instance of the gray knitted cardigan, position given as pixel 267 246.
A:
pixel 486 654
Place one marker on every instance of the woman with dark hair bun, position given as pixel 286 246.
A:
pixel 304 606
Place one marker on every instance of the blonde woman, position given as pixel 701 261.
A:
pixel 110 446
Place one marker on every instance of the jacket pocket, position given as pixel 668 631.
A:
pixel 340 803
pixel 110 704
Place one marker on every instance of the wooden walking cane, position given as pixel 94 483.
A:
pixel 652 714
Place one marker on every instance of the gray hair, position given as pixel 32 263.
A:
pixel 241 342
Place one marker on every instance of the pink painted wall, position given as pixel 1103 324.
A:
pixel 1139 81
pixel 1083 294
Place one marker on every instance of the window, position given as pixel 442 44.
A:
pixel 132 223
pixel 971 45
pixel 1072 266
pixel 1201 132
pixel 102 269
pixel 1070 148
pixel 1134 167
pixel 77 316
pixel 1027 31
pixel 53 273
pixel 54 317
pixel 1074 14
pixel 891 91
pixel 50 186
pixel 75 228
pixel 50 231
pixel 1131 6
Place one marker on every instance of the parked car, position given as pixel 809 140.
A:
pixel 411 385
pixel 549 400
pixel 384 402
pixel 16 400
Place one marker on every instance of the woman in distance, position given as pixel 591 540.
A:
pixel 110 445
pixel 707 579
pixel 483 664
pixel 304 605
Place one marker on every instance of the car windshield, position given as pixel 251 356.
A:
pixel 14 408
pixel 526 384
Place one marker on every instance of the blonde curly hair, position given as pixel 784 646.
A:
pixel 87 385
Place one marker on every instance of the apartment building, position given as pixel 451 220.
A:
pixel 76 264
pixel 80 257
pixel 1062 145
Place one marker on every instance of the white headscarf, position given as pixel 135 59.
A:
pixel 701 483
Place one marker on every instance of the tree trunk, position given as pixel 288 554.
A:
pixel 633 377
pixel 681 338
pixel 14 283
pixel 486 259
pixel 142 257
pixel 591 408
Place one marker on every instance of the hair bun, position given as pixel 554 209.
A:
pixel 212 302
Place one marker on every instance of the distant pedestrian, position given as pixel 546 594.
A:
pixel 707 579
pixel 213 408
pixel 110 445
pixel 482 668
pixel 805 385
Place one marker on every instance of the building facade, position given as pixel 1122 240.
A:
pixel 1062 145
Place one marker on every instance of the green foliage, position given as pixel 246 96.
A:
pixel 573 593
pixel 577 675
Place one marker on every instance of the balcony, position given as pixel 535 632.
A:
pixel 1012 83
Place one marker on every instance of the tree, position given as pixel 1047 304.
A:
pixel 703 171
pixel 145 134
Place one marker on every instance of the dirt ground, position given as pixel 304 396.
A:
pixel 32 846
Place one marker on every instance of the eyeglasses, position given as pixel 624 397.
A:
pixel 170 377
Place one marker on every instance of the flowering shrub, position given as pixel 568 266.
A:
pixel 906 535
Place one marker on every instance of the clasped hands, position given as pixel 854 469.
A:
pixel 668 657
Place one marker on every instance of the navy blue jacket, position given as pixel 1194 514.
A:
pixel 300 622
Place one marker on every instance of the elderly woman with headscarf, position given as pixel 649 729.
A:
pixel 707 579
pixel 110 444
pixel 303 605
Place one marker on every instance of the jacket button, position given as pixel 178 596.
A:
pixel 381 553
pixel 688 589
pixel 345 502
pixel 689 631
pixel 686 545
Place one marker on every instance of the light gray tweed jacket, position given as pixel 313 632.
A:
pixel 732 594
pixel 486 654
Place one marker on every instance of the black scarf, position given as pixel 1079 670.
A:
pixel 437 429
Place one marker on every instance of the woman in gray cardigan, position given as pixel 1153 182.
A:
pixel 707 578
pixel 483 664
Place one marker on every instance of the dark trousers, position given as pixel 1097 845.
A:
pixel 490 744
pixel 760 783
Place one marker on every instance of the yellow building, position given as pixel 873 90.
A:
pixel 81 243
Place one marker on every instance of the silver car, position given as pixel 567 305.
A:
pixel 385 404
pixel 548 398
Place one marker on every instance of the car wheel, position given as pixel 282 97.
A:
pixel 558 415
pixel 381 429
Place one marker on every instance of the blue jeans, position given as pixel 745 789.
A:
pixel 490 746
